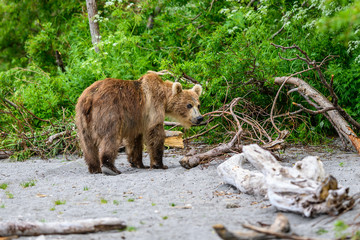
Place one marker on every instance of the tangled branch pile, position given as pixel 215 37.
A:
pixel 24 140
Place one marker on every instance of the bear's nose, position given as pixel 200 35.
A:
pixel 199 119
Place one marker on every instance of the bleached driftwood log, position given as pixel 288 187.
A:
pixel 75 227
pixel 304 189
pixel 234 173
pixel 341 126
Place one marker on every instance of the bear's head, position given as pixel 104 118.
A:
pixel 183 105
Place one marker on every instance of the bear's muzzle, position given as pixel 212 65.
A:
pixel 199 120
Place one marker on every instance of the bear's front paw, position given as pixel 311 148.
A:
pixel 138 165
pixel 159 166
pixel 94 170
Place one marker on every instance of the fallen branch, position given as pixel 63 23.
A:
pixel 341 126
pixel 279 229
pixel 193 161
pixel 55 136
pixel 245 126
pixel 271 234
pixel 75 227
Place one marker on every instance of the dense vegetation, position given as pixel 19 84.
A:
pixel 224 44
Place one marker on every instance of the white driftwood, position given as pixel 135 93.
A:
pixel 304 189
pixel 233 173
pixel 253 182
pixel 75 227
pixel 339 123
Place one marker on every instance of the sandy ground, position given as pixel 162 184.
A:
pixel 152 202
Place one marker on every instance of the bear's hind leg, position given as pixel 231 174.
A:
pixel 91 154
pixel 155 139
pixel 107 155
pixel 134 149
pixel 93 162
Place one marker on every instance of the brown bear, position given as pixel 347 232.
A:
pixel 113 111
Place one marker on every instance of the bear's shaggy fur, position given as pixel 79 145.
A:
pixel 112 111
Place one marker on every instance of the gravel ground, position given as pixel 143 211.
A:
pixel 158 204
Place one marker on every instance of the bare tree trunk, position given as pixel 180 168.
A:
pixel 94 25
pixel 341 126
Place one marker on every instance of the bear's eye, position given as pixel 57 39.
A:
pixel 189 106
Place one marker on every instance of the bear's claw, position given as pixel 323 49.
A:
pixel 107 171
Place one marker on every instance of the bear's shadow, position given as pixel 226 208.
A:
pixel 170 160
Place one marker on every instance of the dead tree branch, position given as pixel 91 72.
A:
pixel 34 141
pixel 279 229
pixel 245 127
pixel 193 161
pixel 331 110
pixel 341 126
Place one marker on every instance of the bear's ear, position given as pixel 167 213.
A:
pixel 197 89
pixel 176 88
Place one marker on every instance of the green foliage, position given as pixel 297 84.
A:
pixel 321 231
pixel 30 183
pixel 356 235
pixel 60 202
pixel 130 229
pixel 225 45
pixel 339 228
pixel 9 195
pixel 3 186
